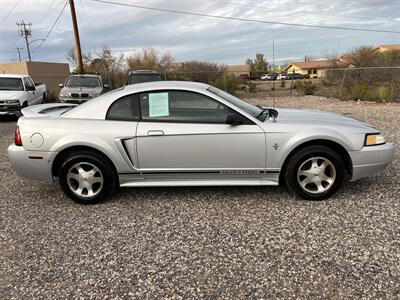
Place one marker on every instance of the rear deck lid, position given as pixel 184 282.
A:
pixel 47 110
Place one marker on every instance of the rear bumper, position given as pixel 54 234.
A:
pixel 31 164
pixel 371 160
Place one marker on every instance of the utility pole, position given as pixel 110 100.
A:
pixel 19 53
pixel 25 31
pixel 76 35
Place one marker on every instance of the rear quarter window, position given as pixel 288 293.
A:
pixel 124 109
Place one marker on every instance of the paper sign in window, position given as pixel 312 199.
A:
pixel 158 105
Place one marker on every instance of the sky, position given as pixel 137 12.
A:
pixel 187 37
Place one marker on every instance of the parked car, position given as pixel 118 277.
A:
pixel 269 77
pixel 175 133
pixel 294 76
pixel 19 91
pixel 81 88
pixel 282 76
pixel 246 77
pixel 141 76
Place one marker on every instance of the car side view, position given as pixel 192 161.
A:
pixel 170 133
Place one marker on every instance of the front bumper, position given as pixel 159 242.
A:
pixel 74 101
pixel 371 160
pixel 31 164
pixel 10 109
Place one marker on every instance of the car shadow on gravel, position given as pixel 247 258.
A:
pixel 8 119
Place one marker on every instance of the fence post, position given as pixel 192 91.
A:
pixel 226 89
pixel 341 88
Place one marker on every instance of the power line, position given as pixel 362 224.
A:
pixel 323 13
pixel 50 10
pixel 9 13
pixel 244 19
pixel 52 27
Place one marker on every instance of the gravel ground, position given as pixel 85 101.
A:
pixel 244 242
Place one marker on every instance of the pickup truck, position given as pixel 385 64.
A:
pixel 81 88
pixel 19 91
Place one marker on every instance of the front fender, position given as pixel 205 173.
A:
pixel 276 158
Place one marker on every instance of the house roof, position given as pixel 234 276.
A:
pixel 387 47
pixel 238 68
pixel 313 64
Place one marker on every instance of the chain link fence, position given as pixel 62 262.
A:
pixel 381 84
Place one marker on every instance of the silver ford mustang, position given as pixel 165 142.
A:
pixel 191 134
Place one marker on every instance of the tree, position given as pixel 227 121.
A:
pixel 258 65
pixel 71 57
pixel 149 58
pixel 199 71
pixel 109 66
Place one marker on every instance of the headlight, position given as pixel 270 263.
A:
pixel 372 139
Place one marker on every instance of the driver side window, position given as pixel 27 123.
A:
pixel 182 107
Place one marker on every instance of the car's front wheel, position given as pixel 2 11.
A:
pixel 87 177
pixel 315 172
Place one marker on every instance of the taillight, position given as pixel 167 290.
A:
pixel 17 137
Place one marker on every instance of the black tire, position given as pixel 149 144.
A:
pixel 301 158
pixel 106 169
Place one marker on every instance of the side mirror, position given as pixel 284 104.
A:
pixel 233 119
pixel 60 85
pixel 106 86
pixel 30 88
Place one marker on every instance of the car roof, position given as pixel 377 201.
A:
pixel 13 75
pixel 167 85
pixel 143 72
pixel 86 75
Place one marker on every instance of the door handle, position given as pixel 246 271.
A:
pixel 155 132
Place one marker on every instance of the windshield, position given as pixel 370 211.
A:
pixel 77 81
pixel 247 107
pixel 140 78
pixel 11 84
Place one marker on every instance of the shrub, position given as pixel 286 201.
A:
pixel 251 85
pixel 384 93
pixel 306 86
pixel 283 83
pixel 229 84
pixel 359 91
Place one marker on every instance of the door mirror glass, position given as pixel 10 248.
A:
pixel 233 119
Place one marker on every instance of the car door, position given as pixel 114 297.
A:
pixel 37 96
pixel 30 92
pixel 186 132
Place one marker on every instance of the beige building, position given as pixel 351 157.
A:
pixel 238 69
pixel 41 72
pixel 385 48
pixel 314 68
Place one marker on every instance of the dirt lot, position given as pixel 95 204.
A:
pixel 244 242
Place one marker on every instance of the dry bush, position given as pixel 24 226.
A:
pixel 378 81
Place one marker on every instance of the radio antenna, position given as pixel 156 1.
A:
pixel 273 71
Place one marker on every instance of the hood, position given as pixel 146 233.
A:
pixel 82 89
pixel 315 117
pixel 10 95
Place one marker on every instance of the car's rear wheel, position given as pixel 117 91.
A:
pixel 315 172
pixel 87 177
